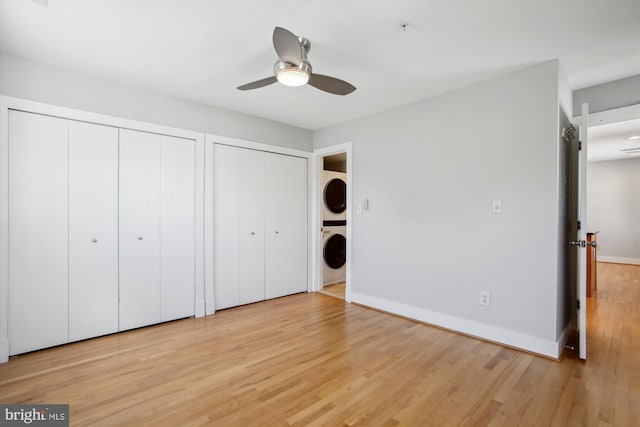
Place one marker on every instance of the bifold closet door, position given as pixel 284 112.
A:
pixel 139 232
pixel 251 229
pixel 177 228
pixel 38 232
pixel 285 225
pixel 226 170
pixel 239 226
pixel 93 230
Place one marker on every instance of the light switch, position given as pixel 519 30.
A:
pixel 497 206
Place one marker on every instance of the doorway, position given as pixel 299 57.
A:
pixel 581 168
pixel 332 221
pixel 613 200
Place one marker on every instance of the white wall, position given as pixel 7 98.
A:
pixel 23 78
pixel 429 243
pixel 608 96
pixel 613 196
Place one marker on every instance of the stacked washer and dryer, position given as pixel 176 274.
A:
pixel 334 229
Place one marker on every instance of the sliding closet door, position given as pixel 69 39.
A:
pixel 93 230
pixel 139 255
pixel 285 225
pixel 177 230
pixel 38 232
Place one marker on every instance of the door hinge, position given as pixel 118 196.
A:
pixel 579 145
pixel 578 304
pixel 579 225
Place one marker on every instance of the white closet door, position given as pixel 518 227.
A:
pixel 252 238
pixel 239 226
pixel 93 230
pixel 177 228
pixel 226 175
pixel 286 225
pixel 139 234
pixel 38 233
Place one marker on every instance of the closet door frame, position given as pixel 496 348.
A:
pixel 8 103
pixel 210 141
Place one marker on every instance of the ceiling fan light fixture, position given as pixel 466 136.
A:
pixel 291 75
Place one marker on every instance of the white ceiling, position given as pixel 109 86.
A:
pixel 202 50
pixel 606 141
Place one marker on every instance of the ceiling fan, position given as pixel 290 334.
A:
pixel 293 67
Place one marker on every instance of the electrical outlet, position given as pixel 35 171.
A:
pixel 485 298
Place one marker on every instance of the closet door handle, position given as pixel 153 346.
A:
pixel 252 233
pixel 277 232
pixel 140 238
pixel 94 240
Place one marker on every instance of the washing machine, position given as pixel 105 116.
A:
pixel 334 193
pixel 334 254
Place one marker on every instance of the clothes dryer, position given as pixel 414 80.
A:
pixel 334 254
pixel 334 194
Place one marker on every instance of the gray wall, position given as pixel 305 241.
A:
pixel 608 96
pixel 23 78
pixel 431 170
pixel 613 207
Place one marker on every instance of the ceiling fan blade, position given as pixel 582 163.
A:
pixel 258 83
pixel 331 84
pixel 287 46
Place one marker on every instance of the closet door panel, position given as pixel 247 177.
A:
pixel 177 229
pixel 93 230
pixel 286 225
pixel 139 234
pixel 226 170
pixel 38 232
pixel 251 214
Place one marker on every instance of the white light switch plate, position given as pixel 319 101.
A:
pixel 497 206
pixel 359 209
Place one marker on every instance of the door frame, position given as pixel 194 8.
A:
pixel 316 220
pixel 582 231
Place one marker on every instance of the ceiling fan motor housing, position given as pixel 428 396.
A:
pixel 280 65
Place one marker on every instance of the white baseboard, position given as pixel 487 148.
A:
pixel 4 350
pixel 469 327
pixel 619 260
pixel 564 337
pixel 210 307
pixel 200 308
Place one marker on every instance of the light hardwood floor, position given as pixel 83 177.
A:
pixel 310 359
pixel 336 290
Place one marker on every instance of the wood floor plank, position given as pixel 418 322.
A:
pixel 311 359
